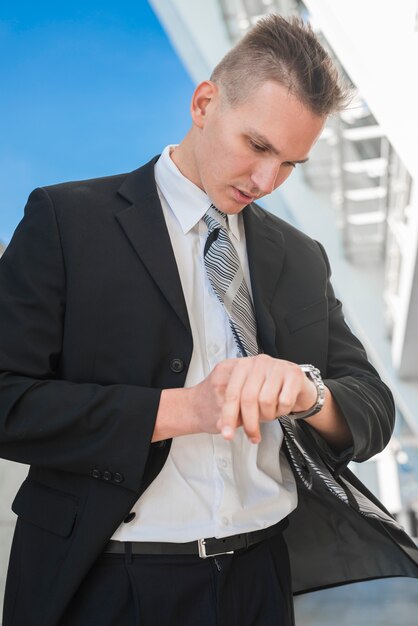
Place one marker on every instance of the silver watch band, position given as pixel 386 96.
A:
pixel 315 375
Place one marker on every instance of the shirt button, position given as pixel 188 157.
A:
pixel 162 443
pixel 177 366
pixel 223 463
pixel 96 473
pixel 129 517
pixel 213 349
pixel 225 521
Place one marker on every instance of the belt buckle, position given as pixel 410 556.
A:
pixel 202 550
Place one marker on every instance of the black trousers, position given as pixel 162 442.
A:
pixel 249 588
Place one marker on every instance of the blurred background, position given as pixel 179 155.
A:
pixel 96 88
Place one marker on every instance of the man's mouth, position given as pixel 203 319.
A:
pixel 243 196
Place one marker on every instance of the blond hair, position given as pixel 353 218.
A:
pixel 285 51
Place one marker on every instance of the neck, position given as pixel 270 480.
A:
pixel 184 158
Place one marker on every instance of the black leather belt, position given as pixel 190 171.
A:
pixel 201 547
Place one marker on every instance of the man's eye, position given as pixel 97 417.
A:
pixel 257 147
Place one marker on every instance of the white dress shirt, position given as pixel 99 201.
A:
pixel 208 487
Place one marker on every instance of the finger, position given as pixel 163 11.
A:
pixel 250 401
pixel 270 393
pixel 231 406
pixel 291 387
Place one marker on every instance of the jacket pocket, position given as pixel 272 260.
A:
pixel 47 508
pixel 306 316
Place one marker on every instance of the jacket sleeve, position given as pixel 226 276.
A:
pixel 45 421
pixel 364 400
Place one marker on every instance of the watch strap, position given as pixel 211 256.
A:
pixel 314 375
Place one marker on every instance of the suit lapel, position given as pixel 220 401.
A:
pixel 265 249
pixel 144 225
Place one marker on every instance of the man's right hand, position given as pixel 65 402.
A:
pixel 238 392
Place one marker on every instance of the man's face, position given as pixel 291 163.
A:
pixel 243 153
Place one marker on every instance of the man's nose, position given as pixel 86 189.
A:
pixel 266 177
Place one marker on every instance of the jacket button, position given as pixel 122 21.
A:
pixel 118 478
pixel 107 475
pixel 177 366
pixel 129 517
pixel 96 473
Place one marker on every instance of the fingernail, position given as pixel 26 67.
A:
pixel 227 432
pixel 255 440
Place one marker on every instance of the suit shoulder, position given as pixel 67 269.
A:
pixel 100 185
pixel 292 235
pixel 75 201
pixel 108 193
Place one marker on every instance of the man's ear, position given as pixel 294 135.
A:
pixel 204 97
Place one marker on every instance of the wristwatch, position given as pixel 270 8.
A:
pixel 314 374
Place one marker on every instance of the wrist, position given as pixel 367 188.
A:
pixel 175 416
pixel 314 376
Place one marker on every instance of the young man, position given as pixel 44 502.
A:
pixel 153 326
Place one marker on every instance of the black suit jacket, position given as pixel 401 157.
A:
pixel 93 325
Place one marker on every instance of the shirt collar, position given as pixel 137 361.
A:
pixel 187 201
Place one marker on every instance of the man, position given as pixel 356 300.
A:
pixel 153 327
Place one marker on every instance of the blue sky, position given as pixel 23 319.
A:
pixel 87 89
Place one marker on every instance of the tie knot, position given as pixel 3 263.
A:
pixel 215 219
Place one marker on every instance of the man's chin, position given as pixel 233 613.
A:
pixel 233 210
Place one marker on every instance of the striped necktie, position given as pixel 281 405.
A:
pixel 227 279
